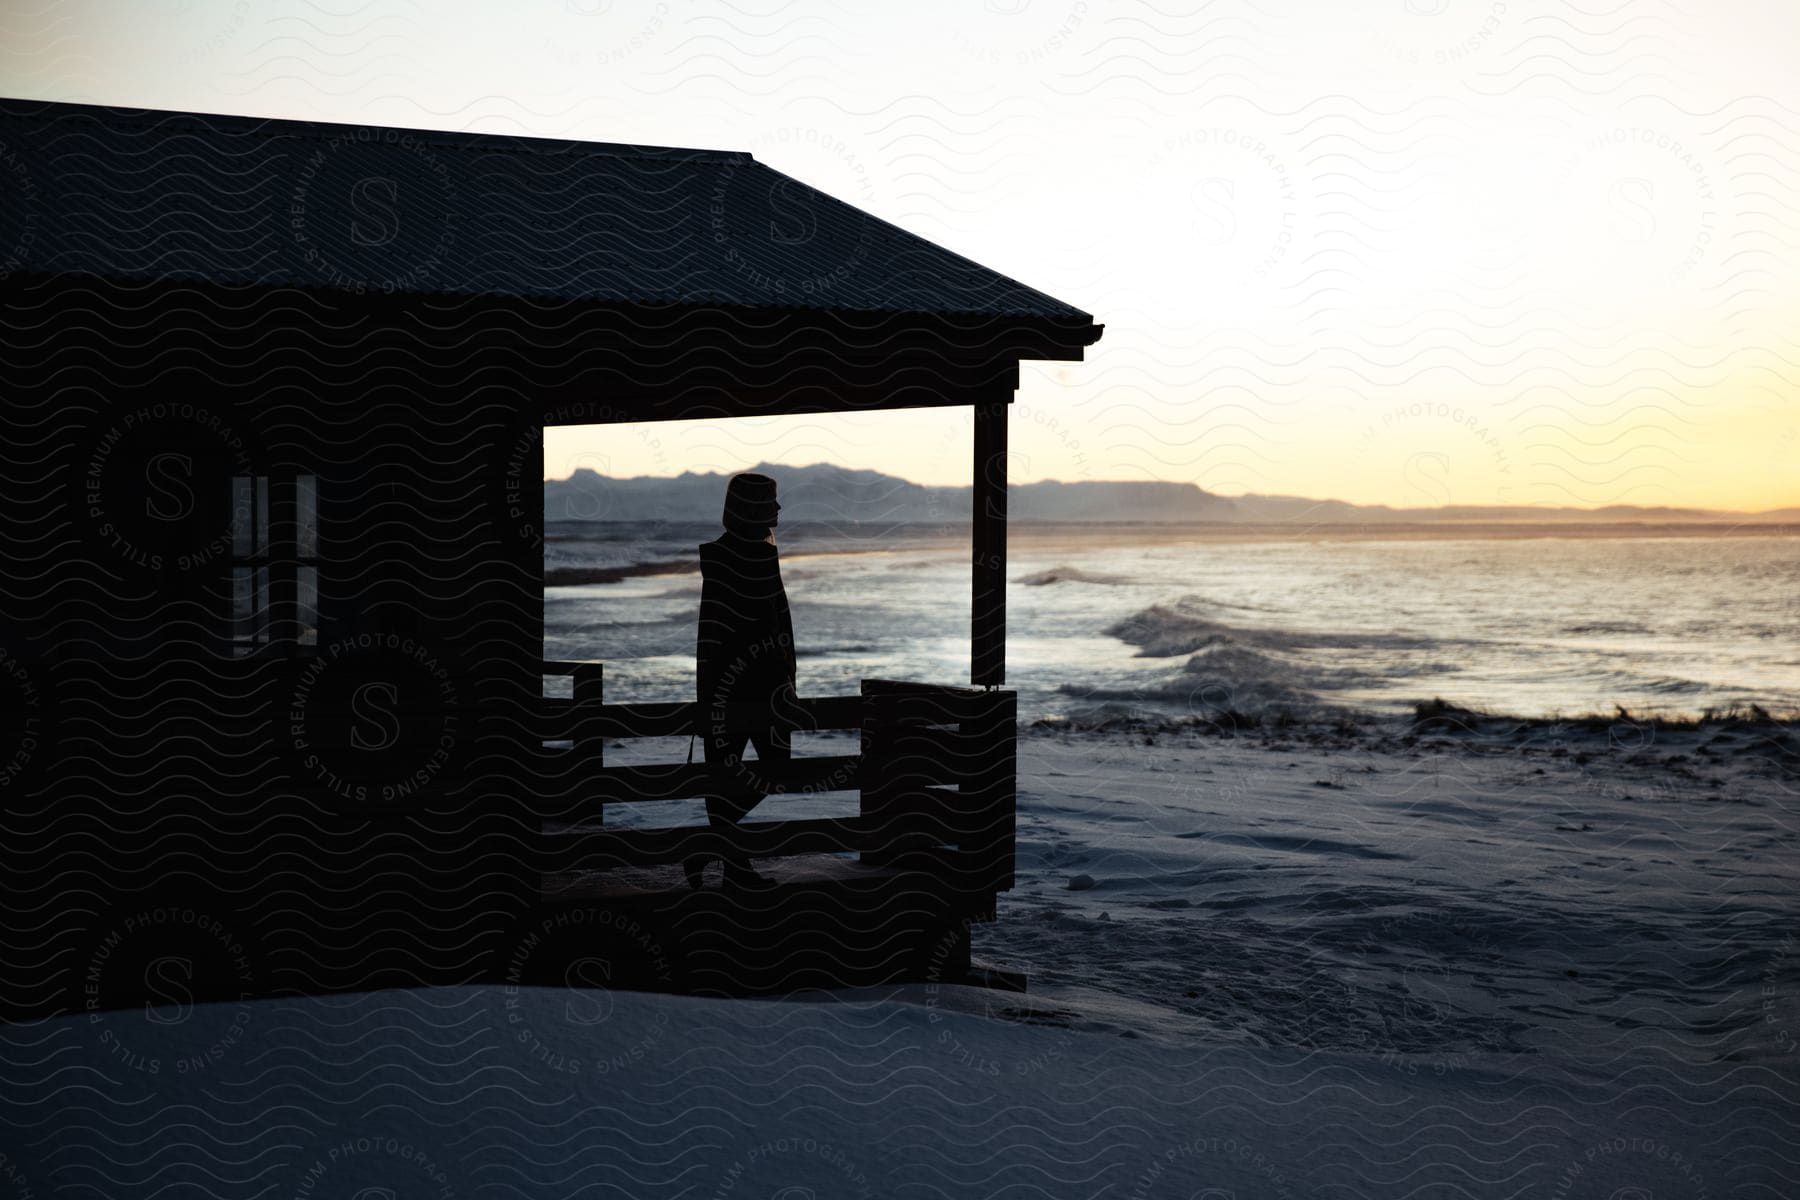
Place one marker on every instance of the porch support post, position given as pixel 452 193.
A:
pixel 987 629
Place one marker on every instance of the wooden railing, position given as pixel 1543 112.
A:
pixel 935 772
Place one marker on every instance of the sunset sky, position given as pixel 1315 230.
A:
pixel 1409 252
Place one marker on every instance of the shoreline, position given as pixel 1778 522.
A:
pixel 1044 535
pixel 1773 738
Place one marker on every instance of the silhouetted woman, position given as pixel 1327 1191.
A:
pixel 745 666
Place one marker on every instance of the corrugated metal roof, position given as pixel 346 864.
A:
pixel 162 195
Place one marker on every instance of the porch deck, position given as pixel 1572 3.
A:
pixel 665 883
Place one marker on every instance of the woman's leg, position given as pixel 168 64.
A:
pixel 733 793
pixel 743 788
pixel 725 800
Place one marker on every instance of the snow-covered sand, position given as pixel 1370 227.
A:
pixel 438 1094
pixel 1537 963
pixel 1554 890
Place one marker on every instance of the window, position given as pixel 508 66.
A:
pixel 274 563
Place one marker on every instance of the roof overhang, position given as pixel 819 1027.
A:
pixel 662 237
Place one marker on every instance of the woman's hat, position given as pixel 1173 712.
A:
pixel 750 500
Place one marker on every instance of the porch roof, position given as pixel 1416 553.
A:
pixel 171 196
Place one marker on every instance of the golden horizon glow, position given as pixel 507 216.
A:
pixel 1413 455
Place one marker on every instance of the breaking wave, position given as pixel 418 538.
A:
pixel 1067 574
pixel 1186 626
pixel 1230 667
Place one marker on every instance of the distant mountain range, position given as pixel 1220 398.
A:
pixel 832 494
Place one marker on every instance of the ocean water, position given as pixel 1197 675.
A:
pixel 1520 625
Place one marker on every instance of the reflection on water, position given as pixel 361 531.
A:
pixel 1526 626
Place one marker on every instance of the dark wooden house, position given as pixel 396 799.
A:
pixel 271 622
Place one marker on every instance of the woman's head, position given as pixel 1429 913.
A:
pixel 750 505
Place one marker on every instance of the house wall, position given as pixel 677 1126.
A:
pixel 350 814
